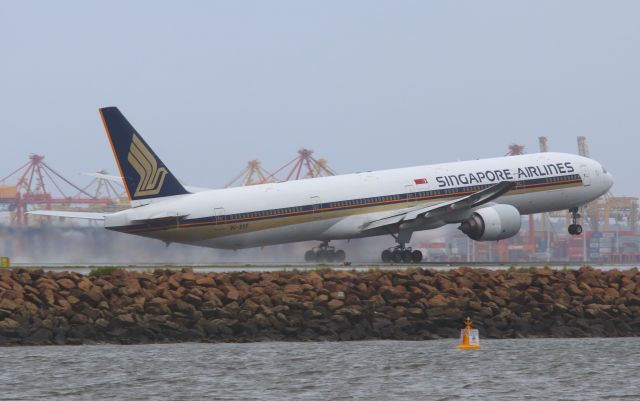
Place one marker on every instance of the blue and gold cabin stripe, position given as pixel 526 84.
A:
pixel 283 216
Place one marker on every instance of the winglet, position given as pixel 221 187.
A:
pixel 144 174
pixel 488 194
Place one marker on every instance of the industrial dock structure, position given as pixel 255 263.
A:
pixel 611 222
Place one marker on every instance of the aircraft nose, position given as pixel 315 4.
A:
pixel 608 180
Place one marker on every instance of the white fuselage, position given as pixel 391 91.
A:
pixel 336 207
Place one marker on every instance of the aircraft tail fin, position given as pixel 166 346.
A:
pixel 145 176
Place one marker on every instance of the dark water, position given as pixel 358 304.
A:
pixel 544 369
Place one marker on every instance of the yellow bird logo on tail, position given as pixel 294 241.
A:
pixel 142 160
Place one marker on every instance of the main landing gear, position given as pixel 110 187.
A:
pixel 401 254
pixel 325 253
pixel 574 227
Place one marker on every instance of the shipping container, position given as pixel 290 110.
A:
pixel 8 192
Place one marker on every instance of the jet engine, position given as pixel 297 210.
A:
pixel 492 223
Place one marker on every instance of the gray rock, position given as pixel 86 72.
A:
pixel 41 336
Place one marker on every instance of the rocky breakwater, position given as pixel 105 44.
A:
pixel 38 307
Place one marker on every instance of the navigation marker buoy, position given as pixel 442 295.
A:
pixel 469 337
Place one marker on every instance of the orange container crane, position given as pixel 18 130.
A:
pixel 35 178
pixel 305 166
pixel 253 174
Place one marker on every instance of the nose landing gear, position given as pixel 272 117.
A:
pixel 325 253
pixel 574 227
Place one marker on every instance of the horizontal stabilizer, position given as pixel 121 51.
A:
pixel 196 189
pixel 107 177
pixel 71 215
pixel 118 179
pixel 159 217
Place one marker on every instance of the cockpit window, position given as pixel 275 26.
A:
pixel 604 170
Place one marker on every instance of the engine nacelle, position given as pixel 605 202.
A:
pixel 492 223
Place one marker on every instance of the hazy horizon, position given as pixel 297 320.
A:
pixel 366 85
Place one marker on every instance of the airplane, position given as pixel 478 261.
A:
pixel 485 198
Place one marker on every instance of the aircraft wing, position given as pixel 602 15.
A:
pixel 448 211
pixel 73 215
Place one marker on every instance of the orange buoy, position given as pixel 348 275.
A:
pixel 469 337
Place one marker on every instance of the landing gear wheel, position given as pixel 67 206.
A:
pixel 324 253
pixel 574 227
pixel 416 256
pixel 330 256
pixel 401 254
pixel 310 256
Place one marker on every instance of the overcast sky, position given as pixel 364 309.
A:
pixel 367 85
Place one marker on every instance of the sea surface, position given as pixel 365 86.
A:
pixel 523 369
